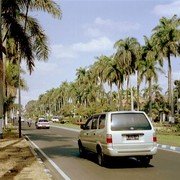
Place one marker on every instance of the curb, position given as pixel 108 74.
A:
pixel 37 157
pixel 169 148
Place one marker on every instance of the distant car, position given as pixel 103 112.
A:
pixel 40 118
pixel 42 123
pixel 55 119
pixel 22 119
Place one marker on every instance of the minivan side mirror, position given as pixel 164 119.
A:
pixel 83 126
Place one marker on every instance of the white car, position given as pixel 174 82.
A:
pixel 55 119
pixel 119 134
pixel 22 120
pixel 42 123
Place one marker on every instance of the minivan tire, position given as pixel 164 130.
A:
pixel 145 161
pixel 81 150
pixel 100 158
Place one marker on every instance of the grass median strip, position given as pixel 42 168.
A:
pixel 167 139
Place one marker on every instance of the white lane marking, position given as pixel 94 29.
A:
pixel 51 162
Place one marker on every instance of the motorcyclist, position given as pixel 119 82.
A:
pixel 29 122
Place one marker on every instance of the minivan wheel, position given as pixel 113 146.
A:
pixel 100 158
pixel 145 161
pixel 81 150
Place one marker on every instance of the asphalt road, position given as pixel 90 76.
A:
pixel 60 147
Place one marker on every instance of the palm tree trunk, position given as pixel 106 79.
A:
pixel 127 92
pixel 138 88
pixel 1 88
pixel 19 63
pixel 132 100
pixel 170 97
pixel 119 97
pixel 111 98
pixel 1 77
pixel 150 98
pixel 6 96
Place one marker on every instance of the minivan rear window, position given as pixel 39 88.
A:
pixel 43 120
pixel 129 121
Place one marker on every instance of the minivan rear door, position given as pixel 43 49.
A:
pixel 131 132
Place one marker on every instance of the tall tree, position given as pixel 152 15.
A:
pixel 126 55
pixel 114 74
pixel 149 68
pixel 166 38
pixel 30 40
pixel 1 69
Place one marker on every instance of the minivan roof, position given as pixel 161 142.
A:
pixel 113 112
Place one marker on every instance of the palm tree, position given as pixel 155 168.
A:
pixel 115 75
pixel 14 14
pixel 30 41
pixel 126 55
pixel 166 39
pixel 149 68
pixel 11 85
pixel 139 66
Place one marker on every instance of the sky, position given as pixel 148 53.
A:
pixel 89 29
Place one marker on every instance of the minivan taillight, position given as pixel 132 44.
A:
pixel 108 138
pixel 154 138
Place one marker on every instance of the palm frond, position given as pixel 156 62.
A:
pixel 48 6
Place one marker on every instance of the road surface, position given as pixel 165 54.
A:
pixel 62 159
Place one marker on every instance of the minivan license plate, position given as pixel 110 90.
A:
pixel 132 137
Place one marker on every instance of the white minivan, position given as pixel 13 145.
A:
pixel 119 134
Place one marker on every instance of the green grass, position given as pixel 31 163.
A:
pixel 172 140
pixel 68 125
pixel 10 133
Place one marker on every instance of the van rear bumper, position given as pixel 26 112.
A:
pixel 130 152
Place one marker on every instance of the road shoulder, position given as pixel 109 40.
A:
pixel 18 161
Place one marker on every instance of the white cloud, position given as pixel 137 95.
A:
pixel 168 9
pixel 102 27
pixel 95 45
pixel 45 67
pixel 176 75
pixel 72 51
pixel 61 51
pixel 92 31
